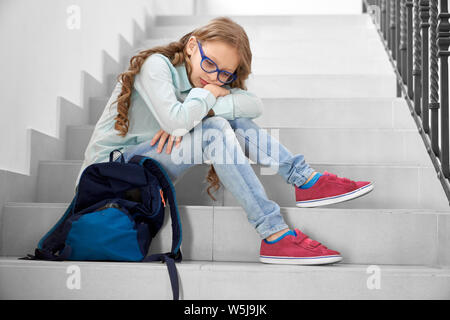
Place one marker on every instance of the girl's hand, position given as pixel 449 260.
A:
pixel 216 90
pixel 162 136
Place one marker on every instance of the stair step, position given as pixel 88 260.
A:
pixel 367 236
pixel 401 146
pixel 298 21
pixel 368 50
pixel 367 59
pixel 323 64
pixel 395 186
pixel 367 113
pixel 24 224
pixel 316 85
pixel 323 86
pixel 305 36
pixel 323 31
pixel 218 281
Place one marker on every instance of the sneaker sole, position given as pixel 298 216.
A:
pixel 300 261
pixel 336 199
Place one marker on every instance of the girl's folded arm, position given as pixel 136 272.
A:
pixel 155 85
pixel 238 104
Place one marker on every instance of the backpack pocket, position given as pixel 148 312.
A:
pixel 109 234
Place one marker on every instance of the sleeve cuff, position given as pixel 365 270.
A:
pixel 200 93
pixel 224 107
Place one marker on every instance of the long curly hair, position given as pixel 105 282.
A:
pixel 218 29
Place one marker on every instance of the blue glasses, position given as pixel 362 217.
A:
pixel 210 66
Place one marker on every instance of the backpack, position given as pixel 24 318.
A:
pixel 117 210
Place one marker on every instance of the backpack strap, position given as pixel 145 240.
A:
pixel 53 240
pixel 111 154
pixel 169 191
pixel 169 259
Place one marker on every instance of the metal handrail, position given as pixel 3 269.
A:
pixel 418 51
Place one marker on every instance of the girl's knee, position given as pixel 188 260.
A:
pixel 217 128
pixel 243 120
pixel 217 123
pixel 242 123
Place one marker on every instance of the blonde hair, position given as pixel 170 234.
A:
pixel 218 29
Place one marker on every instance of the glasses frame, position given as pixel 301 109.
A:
pixel 204 57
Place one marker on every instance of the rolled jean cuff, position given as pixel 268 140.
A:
pixel 302 177
pixel 271 231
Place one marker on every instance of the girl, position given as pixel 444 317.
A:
pixel 170 93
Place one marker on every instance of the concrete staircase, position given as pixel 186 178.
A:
pixel 329 92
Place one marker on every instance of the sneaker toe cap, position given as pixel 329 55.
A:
pixel 361 184
pixel 329 252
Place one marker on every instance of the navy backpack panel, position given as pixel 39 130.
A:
pixel 117 210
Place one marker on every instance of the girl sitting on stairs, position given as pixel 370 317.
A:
pixel 206 70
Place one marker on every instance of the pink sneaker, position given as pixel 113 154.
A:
pixel 296 249
pixel 331 189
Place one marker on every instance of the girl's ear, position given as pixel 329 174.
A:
pixel 191 45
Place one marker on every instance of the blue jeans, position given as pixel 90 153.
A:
pixel 218 141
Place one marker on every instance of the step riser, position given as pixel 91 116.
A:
pixel 371 49
pixel 338 145
pixel 362 237
pixel 313 65
pixel 298 21
pixel 395 187
pixel 359 237
pixel 315 86
pixel 267 33
pixel 23 227
pixel 319 65
pixel 326 86
pixel 37 280
pixel 333 113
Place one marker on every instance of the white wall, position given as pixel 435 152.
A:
pixel 41 58
pixel 174 7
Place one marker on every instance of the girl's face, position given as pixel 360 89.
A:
pixel 225 56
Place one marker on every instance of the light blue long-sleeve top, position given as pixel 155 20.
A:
pixel 163 98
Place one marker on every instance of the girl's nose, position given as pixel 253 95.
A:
pixel 212 78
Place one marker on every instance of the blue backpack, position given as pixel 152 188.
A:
pixel 117 210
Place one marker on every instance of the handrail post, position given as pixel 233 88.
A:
pixel 409 48
pixel 424 19
pixel 402 47
pixel 434 79
pixel 387 21
pixel 417 60
pixel 443 43
pixel 383 18
pixel 397 44
pixel 392 26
